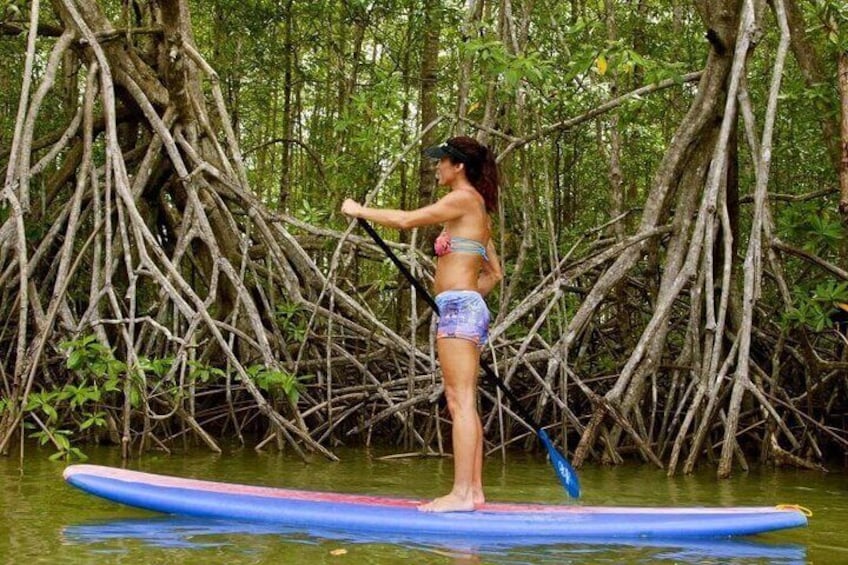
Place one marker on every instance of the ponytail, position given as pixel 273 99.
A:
pixel 487 185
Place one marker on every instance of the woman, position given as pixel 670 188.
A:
pixel 466 270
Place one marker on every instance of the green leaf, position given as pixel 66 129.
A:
pixel 111 384
pixel 62 440
pixel 135 397
pixel 75 360
pixel 97 420
pixel 52 415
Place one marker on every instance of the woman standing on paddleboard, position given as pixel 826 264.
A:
pixel 467 270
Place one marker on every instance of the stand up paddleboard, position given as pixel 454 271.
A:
pixel 374 514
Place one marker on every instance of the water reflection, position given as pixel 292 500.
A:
pixel 193 533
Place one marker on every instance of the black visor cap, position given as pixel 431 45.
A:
pixel 445 150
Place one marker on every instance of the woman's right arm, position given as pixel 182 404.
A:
pixel 491 274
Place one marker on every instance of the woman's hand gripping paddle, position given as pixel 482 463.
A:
pixel 563 469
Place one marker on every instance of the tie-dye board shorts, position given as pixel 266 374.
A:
pixel 463 314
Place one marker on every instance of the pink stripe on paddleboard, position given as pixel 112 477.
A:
pixel 231 488
pixel 316 496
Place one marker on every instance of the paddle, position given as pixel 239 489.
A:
pixel 564 471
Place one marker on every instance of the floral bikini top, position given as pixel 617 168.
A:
pixel 446 244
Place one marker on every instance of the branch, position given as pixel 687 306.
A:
pixel 316 157
pixel 597 111
pixel 814 259
pixel 119 33
pixel 17 28
pixel 793 197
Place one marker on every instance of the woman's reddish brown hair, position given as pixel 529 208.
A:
pixel 480 168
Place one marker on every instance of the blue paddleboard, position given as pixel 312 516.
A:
pixel 388 515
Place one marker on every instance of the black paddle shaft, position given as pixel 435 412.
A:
pixel 487 369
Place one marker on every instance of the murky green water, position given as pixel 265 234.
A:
pixel 46 521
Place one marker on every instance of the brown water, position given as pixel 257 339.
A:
pixel 46 521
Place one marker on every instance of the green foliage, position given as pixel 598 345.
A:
pixel 136 386
pixel 824 232
pixel 275 382
pixel 833 15
pixel 200 372
pixel 61 439
pixel 76 401
pixel 89 358
pixel 493 56
pixel 818 96
pixel 292 320
pixel 313 214
pixel 628 60
pixel 47 402
pixel 79 396
pixel 93 419
pixel 818 229
pixel 80 401
pixel 814 310
pixel 12 9
pixel 43 401
pixel 158 367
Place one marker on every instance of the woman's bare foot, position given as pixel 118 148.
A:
pixel 449 503
pixel 478 498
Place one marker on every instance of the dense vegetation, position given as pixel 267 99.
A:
pixel 173 265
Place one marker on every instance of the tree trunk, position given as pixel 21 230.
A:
pixel 699 144
pixel 288 119
pixel 473 13
pixel 427 103
pixel 843 165
pixel 810 65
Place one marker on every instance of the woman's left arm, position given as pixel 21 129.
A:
pixel 491 274
pixel 447 208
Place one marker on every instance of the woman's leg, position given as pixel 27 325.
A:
pixel 477 484
pixel 460 361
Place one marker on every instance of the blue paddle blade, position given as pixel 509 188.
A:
pixel 564 471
